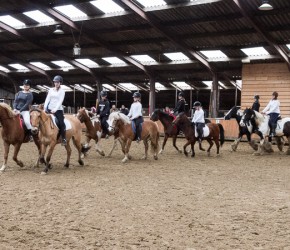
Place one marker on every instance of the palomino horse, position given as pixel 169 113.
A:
pixel 211 131
pixel 13 133
pixel 237 113
pixel 170 130
pixel 94 131
pixel 262 122
pixel 120 122
pixel 48 135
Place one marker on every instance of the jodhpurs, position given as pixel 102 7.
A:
pixel 138 123
pixel 199 129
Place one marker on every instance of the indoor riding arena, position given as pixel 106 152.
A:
pixel 128 70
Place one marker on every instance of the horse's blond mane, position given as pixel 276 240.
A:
pixel 7 108
pixel 119 116
pixel 259 117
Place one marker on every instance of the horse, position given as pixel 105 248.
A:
pixel 237 113
pixel 44 125
pixel 94 131
pixel 13 133
pixel 262 123
pixel 169 129
pixel 120 122
pixel 211 131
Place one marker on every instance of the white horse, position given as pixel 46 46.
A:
pixel 262 122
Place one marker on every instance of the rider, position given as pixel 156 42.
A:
pixel 256 104
pixel 103 112
pixel 53 105
pixel 21 105
pixel 198 120
pixel 273 110
pixel 135 114
pixel 180 105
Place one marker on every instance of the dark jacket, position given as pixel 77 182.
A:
pixel 256 106
pixel 180 107
pixel 103 108
pixel 125 111
pixel 22 101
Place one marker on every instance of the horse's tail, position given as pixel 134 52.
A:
pixel 222 134
pixel 155 141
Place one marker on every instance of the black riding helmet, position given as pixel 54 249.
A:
pixel 27 82
pixel 58 79
pixel 181 94
pixel 137 94
pixel 257 97
pixel 197 104
pixel 103 93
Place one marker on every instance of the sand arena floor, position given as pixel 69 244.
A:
pixel 235 201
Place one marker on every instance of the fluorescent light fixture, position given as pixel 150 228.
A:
pixel 63 64
pixel 265 5
pixel 41 65
pixel 32 90
pixel 107 6
pixel 11 21
pixel 109 87
pixel 256 51
pixel 129 86
pixel 70 11
pixel 88 62
pixel 58 30
pixel 143 58
pixel 182 85
pixel 288 45
pixel 151 3
pixel 209 84
pixel 66 88
pixel 4 69
pixel 42 88
pixel 213 53
pixel 159 86
pixel 239 83
pixel 80 88
pixel 87 87
pixel 18 66
pixel 176 56
pixel 113 60
pixel 38 16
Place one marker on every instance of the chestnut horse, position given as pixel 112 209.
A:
pixel 212 131
pixel 170 130
pixel 13 133
pixel 120 122
pixel 48 135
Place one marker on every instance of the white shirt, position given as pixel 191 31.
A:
pixel 135 110
pixel 198 116
pixel 272 107
pixel 54 99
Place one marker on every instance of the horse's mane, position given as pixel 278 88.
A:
pixel 119 116
pixel 7 108
pixel 259 117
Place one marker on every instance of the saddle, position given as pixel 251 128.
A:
pixel 205 131
pixel 56 122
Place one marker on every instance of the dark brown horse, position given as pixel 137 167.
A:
pixel 13 134
pixel 120 122
pixel 212 132
pixel 170 130
pixel 48 135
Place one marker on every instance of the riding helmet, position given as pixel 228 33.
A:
pixel 27 82
pixel 137 94
pixel 275 94
pixel 197 104
pixel 257 97
pixel 103 93
pixel 181 94
pixel 58 79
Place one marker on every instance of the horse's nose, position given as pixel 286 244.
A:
pixel 34 130
pixel 242 123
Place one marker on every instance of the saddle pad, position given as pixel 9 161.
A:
pixel 66 122
pixel 205 131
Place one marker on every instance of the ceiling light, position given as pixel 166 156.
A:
pixel 58 30
pixel 266 5
pixel 76 50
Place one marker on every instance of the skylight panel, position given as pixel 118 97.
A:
pixel 209 84
pixel 182 85
pixel 32 90
pixel 40 65
pixel 38 16
pixel 129 86
pixel 239 83
pixel 256 51
pixel 213 53
pixel 109 87
pixel 107 6
pixel 4 69
pixel 113 60
pixel 81 88
pixel 18 66
pixel 87 87
pixel 143 58
pixel 176 56
pixel 66 88
pixel 159 86
pixel 88 62
pixel 11 21
pixel 151 3
pixel 70 11
pixel 288 45
pixel 62 64
pixel 42 88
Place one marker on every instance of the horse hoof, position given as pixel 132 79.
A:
pixel 124 160
pixel 102 153
pixel 66 165
pixel 129 157
pixel 20 164
pixel 43 173
pixel 81 162
pixel 144 158
pixel 192 156
pixel 155 157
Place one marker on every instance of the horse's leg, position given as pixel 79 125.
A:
pixel 234 146
pixel 145 141
pixel 126 150
pixel 78 146
pixel 210 146
pixel 99 147
pixel 217 144
pixel 185 146
pixel 288 150
pixel 48 157
pixel 42 154
pixel 16 150
pixel 192 148
pixel 6 152
pixel 86 147
pixel 200 146
pixel 164 143
pixel 114 146
pixel 280 143
pixel 68 154
pixel 174 137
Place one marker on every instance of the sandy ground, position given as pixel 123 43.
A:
pixel 235 201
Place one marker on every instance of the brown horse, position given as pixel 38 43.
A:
pixel 13 133
pixel 211 131
pixel 120 122
pixel 48 135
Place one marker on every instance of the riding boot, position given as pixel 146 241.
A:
pixel 63 136
pixel 274 129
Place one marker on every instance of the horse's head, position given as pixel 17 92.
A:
pixel 82 114
pixel 155 115
pixel 35 116
pixel 248 115
pixel 232 113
